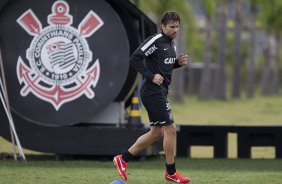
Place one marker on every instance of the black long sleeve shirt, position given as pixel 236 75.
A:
pixel 156 55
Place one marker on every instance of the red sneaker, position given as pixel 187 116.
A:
pixel 121 166
pixel 177 177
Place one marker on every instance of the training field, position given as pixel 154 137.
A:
pixel 151 171
pixel 257 111
pixel 203 170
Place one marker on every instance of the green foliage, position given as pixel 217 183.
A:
pixel 198 49
pixel 209 7
pixel 270 20
pixel 155 9
pixel 270 15
pixel 244 48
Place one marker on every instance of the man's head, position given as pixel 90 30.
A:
pixel 170 24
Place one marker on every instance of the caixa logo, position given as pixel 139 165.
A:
pixel 59 56
pixel 169 60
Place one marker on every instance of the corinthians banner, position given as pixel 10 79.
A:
pixel 59 55
pixel 64 60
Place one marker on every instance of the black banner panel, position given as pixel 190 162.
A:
pixel 65 63
pixel 64 60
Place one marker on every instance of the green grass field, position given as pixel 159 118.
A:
pixel 257 111
pixel 202 170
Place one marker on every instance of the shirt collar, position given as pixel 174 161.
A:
pixel 167 37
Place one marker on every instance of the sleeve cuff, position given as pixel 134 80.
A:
pixel 176 64
pixel 149 75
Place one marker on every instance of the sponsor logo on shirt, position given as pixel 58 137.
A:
pixel 169 61
pixel 151 50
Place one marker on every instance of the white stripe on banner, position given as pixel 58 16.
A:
pixel 12 124
pixel 5 103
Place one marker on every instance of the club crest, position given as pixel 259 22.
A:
pixel 60 61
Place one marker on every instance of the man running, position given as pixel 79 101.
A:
pixel 159 52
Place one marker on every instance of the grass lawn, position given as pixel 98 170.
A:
pixel 202 171
pixel 259 111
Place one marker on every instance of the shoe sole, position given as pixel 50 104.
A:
pixel 118 171
pixel 167 179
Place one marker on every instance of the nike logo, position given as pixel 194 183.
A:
pixel 165 48
pixel 177 181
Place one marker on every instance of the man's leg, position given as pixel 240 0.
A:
pixel 169 142
pixel 169 148
pixel 146 140
pixel 141 143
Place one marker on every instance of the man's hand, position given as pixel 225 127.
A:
pixel 158 79
pixel 183 59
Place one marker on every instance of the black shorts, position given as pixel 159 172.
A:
pixel 158 108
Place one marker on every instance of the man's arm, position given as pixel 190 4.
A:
pixel 176 64
pixel 137 62
pixel 147 48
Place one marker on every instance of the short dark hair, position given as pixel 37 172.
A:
pixel 170 16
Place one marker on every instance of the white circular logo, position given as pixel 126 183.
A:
pixel 59 54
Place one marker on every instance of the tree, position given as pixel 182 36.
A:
pixel 276 80
pixel 237 59
pixel 178 77
pixel 272 22
pixel 205 91
pixel 276 27
pixel 220 78
pixel 250 86
pixel 266 73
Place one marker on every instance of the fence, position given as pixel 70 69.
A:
pixel 217 136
